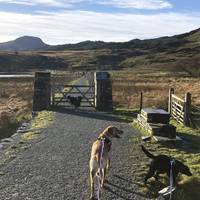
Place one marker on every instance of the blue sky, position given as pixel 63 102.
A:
pixel 71 21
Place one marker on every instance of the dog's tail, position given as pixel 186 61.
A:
pixel 147 152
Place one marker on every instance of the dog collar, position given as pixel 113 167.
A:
pixel 172 161
pixel 106 139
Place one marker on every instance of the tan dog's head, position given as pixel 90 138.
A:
pixel 112 131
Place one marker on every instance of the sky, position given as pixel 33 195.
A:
pixel 72 21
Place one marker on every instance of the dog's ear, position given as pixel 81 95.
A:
pixel 114 132
pixel 108 131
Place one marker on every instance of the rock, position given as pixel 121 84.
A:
pixel 146 138
pixel 7 140
pixel 14 135
pixel 22 130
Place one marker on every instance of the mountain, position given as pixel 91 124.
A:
pixel 28 43
pixel 157 43
pixel 25 43
pixel 179 53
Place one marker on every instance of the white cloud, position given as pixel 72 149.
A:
pixel 76 26
pixel 50 3
pixel 139 4
pixel 17 2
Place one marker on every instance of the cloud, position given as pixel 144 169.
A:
pixel 75 26
pixel 49 3
pixel 17 2
pixel 139 4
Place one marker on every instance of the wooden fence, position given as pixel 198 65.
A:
pixel 180 108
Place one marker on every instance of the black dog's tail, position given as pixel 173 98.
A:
pixel 147 152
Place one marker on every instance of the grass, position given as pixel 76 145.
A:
pixel 155 85
pixel 177 53
pixel 31 135
pixel 15 103
pixel 126 114
pixel 16 95
pixel 187 152
pixel 42 120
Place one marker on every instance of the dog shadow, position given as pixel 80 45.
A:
pixel 185 189
pixel 150 190
pixel 115 188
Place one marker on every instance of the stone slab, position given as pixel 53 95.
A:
pixel 155 115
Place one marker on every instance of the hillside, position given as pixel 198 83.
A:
pixel 25 43
pixel 179 53
pixel 159 43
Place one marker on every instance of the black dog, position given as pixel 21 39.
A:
pixel 162 164
pixel 75 101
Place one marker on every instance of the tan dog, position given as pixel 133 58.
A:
pixel 109 132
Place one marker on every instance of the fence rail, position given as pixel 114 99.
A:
pixel 180 108
pixel 60 93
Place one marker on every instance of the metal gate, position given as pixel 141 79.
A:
pixel 60 94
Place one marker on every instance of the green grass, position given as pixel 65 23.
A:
pixel 126 114
pixel 43 120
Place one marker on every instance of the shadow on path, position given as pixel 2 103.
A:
pixel 122 188
pixel 89 114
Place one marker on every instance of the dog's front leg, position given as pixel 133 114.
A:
pixel 150 173
pixel 108 163
pixel 156 176
pixel 103 177
pixel 92 174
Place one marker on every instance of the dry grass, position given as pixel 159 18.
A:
pixel 16 96
pixel 127 86
pixel 15 102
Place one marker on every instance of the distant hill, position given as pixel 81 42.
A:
pixel 179 53
pixel 158 43
pixel 25 43
pixel 29 43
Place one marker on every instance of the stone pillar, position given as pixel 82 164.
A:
pixel 42 91
pixel 103 91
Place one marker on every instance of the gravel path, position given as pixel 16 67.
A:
pixel 56 166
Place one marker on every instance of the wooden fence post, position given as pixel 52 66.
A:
pixel 171 91
pixel 141 101
pixel 53 90
pixel 188 98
